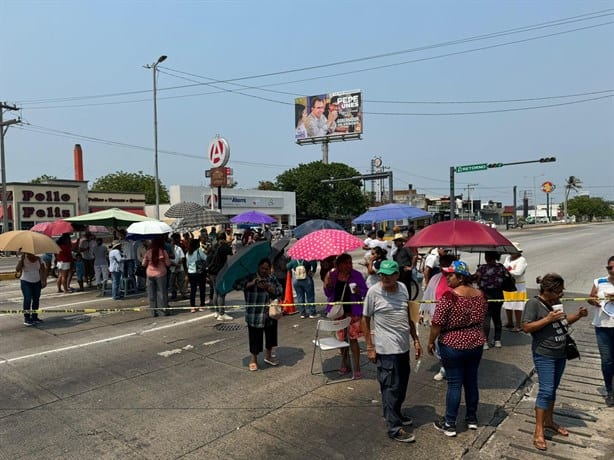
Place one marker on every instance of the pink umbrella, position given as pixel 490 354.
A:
pixel 55 228
pixel 462 234
pixel 321 244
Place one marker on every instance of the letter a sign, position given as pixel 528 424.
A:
pixel 218 152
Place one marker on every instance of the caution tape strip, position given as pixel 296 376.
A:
pixel 226 307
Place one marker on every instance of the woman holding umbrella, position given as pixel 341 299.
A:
pixel 259 291
pixel 33 279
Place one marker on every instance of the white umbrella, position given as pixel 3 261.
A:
pixel 148 228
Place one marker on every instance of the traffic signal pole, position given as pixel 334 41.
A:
pixel 482 167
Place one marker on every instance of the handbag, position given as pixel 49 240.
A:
pixel 336 311
pixel 275 311
pixel 509 283
pixel 571 349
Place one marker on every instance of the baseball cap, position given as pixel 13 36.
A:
pixel 388 267
pixel 458 266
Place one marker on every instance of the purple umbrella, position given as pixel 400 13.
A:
pixel 252 217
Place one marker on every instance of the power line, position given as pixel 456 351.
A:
pixel 554 23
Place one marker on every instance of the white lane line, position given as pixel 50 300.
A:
pixel 108 339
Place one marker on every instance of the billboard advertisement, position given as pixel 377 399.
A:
pixel 325 117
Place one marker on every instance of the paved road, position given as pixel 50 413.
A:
pixel 121 385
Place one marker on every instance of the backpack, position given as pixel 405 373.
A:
pixel 509 283
pixel 300 272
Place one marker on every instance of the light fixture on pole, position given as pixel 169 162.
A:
pixel 155 113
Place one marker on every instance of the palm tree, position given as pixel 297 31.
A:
pixel 572 183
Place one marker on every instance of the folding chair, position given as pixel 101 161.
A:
pixel 330 343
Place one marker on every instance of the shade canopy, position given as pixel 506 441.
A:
pixel 462 234
pixel 253 217
pixel 113 217
pixel 391 211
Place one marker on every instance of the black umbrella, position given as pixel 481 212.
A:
pixel 201 219
pixel 278 247
pixel 313 225
pixel 183 209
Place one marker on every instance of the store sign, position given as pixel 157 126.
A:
pixel 234 201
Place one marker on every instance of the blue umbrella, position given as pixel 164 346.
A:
pixel 391 211
pixel 252 217
pixel 241 265
pixel 315 224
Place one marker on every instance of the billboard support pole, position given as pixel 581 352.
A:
pixel 325 152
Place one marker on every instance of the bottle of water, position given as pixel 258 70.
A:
pixel 417 366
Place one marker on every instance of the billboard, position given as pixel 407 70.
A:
pixel 327 117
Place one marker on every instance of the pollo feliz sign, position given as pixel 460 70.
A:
pixel 49 204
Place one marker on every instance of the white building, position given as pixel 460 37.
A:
pixel 280 205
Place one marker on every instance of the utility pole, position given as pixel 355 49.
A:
pixel 3 130
pixel 469 188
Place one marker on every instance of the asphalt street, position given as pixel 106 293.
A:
pixel 117 383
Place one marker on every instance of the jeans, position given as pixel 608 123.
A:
pixel 393 376
pixel 31 298
pixel 549 373
pixel 157 293
pixel 197 281
pixel 305 292
pixel 218 300
pixel 605 344
pixel 494 313
pixel 116 278
pixel 178 284
pixel 129 267
pixel 461 371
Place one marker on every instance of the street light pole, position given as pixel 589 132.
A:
pixel 155 114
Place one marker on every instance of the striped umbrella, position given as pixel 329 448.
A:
pixel 183 209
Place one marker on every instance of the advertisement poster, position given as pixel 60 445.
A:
pixel 325 116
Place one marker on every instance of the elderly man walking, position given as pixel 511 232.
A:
pixel 387 302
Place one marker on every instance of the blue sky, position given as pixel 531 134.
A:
pixel 54 51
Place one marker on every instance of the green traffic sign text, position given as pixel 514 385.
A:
pixel 470 168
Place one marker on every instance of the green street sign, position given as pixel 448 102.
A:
pixel 471 168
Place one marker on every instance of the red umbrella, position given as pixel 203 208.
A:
pixel 462 234
pixel 321 244
pixel 54 228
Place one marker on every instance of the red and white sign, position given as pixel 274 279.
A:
pixel 218 152
pixel 212 201
pixel 548 187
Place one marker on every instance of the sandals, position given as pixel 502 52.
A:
pixel 253 367
pixel 557 429
pixel 343 370
pixel 193 310
pixel 540 444
pixel 271 361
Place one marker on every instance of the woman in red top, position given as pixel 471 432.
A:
pixel 64 262
pixel 458 322
pixel 156 263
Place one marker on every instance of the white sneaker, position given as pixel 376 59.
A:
pixel 497 343
pixel 486 346
pixel 224 317
pixel 439 376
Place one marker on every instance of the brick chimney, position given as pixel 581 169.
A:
pixel 78 162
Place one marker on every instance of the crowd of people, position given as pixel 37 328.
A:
pixel 458 305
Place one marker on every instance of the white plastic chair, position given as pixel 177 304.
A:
pixel 329 343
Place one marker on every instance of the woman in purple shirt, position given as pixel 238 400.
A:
pixel 344 284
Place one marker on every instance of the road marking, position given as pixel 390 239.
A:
pixel 108 339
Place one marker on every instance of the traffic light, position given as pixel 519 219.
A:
pixel 495 165
pixel 547 159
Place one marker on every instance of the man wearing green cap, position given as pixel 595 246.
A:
pixel 387 302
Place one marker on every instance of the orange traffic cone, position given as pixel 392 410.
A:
pixel 289 297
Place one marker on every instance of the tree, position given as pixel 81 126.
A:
pixel 572 183
pixel 315 200
pixel 589 208
pixel 42 179
pixel 266 185
pixel 131 182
